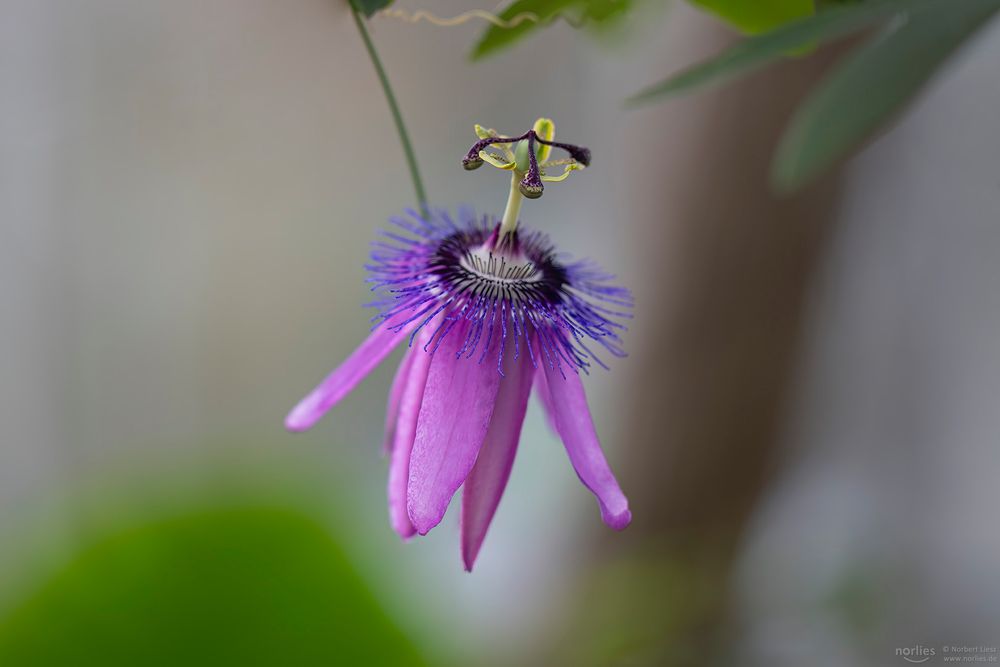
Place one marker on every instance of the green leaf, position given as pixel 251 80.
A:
pixel 871 84
pixel 496 38
pixel 599 11
pixel 369 7
pixel 247 584
pixel 759 15
pixel 755 52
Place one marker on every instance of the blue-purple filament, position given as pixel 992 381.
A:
pixel 551 309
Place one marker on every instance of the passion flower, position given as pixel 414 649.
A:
pixel 489 311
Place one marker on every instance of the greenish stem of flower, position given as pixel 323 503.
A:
pixel 509 223
pixel 397 116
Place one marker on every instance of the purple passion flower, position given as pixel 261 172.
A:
pixel 488 312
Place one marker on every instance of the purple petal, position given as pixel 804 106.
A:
pixel 454 417
pixel 344 378
pixel 395 393
pixel 572 417
pixel 402 445
pixel 545 397
pixel 485 484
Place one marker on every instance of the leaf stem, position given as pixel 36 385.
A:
pixel 397 116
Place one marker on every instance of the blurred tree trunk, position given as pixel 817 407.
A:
pixel 726 266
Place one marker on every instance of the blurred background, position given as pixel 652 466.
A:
pixel 806 426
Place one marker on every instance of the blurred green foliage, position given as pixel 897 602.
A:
pixel 871 84
pixel 759 15
pixel 761 50
pixel 369 7
pixel 751 17
pixel 862 92
pixel 577 12
pixel 238 584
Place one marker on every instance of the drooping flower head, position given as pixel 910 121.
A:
pixel 488 310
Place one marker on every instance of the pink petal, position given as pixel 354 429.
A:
pixel 395 393
pixel 485 484
pixel 545 397
pixel 406 428
pixel 454 417
pixel 573 421
pixel 344 378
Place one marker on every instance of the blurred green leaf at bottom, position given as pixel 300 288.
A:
pixel 238 585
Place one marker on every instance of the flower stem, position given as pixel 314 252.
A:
pixel 397 116
pixel 508 225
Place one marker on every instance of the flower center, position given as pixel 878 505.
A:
pixel 500 267
pixel 519 268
